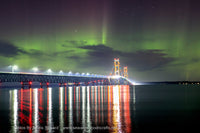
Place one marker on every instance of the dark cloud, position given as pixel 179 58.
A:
pixel 140 60
pixel 8 49
pixel 38 53
pixel 185 62
pixel 194 60
pixel 74 43
pixel 148 59
pixel 99 55
pixel 34 52
pixel 99 47
pixel 101 51
pixel 62 52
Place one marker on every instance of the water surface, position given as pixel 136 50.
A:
pixel 122 108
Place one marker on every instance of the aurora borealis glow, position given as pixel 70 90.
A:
pixel 157 39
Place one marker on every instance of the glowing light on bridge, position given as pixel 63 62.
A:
pixel 35 69
pixel 116 66
pixel 13 68
pixel 116 71
pixel 116 76
pixel 88 74
pixel 125 72
pixel 132 82
pixel 70 73
pixel 61 72
pixel 77 74
pixel 49 71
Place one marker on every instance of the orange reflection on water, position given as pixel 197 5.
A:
pixel 119 108
pixel 126 108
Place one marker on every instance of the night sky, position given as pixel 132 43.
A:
pixel 158 40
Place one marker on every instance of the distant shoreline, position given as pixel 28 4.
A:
pixel 171 82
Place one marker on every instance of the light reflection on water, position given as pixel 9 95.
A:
pixel 61 100
pixel 35 112
pixel 174 108
pixel 14 110
pixel 80 108
pixel 49 110
pixel 70 110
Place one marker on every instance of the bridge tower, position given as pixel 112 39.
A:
pixel 116 67
pixel 126 72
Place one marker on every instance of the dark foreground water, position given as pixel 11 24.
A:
pixel 149 108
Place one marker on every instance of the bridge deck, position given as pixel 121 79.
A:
pixel 42 78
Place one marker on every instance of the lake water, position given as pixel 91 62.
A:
pixel 123 108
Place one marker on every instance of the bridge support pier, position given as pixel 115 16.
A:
pixel 62 84
pixel 28 83
pixel 86 83
pixel 76 83
pixel 44 84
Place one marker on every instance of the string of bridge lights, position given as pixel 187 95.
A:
pixel 35 70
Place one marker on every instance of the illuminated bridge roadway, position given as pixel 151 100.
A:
pixel 63 80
